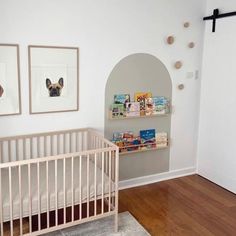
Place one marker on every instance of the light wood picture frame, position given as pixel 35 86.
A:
pixel 53 79
pixel 10 95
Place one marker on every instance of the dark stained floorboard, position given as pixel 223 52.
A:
pixel 187 206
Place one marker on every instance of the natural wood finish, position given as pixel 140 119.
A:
pixel 143 150
pixel 30 82
pixel 18 75
pixel 184 206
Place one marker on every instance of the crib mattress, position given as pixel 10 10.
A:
pixel 87 179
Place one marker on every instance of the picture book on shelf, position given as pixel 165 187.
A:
pixel 121 98
pixel 117 110
pixel 149 106
pixel 132 109
pixel 148 136
pixel 162 139
pixel 160 105
pixel 141 97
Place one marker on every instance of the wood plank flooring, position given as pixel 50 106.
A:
pixel 185 206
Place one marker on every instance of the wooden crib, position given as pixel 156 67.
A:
pixel 50 181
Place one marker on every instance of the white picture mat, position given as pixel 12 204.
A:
pixel 53 63
pixel 10 100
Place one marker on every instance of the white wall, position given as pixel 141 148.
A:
pixel 217 132
pixel 106 31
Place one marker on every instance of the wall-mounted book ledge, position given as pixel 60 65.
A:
pixel 148 140
pixel 141 148
pixel 117 116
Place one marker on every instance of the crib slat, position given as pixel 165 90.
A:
pixel 10 201
pixel 17 149
pixel 64 188
pixel 38 185
pixel 109 182
pixel 88 186
pixel 20 196
pixel 80 188
pixel 72 189
pixel 95 184
pixel 47 192
pixel 56 215
pixel 103 182
pixel 29 193
pixel 45 145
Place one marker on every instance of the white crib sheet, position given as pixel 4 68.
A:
pixel 51 186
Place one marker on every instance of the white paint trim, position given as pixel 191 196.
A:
pixel 135 182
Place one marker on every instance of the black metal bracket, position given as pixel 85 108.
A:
pixel 216 16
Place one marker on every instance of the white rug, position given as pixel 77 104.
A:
pixel 128 226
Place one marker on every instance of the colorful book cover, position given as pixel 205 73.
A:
pixel 160 105
pixel 141 97
pixel 121 98
pixel 118 136
pixel 148 136
pixel 132 109
pixel 117 110
pixel 149 105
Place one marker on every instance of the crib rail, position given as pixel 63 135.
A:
pixel 54 180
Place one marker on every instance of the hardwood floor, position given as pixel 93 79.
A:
pixel 185 206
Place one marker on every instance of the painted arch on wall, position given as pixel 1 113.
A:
pixel 139 72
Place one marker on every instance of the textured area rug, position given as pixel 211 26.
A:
pixel 128 226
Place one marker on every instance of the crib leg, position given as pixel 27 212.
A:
pixel 116 223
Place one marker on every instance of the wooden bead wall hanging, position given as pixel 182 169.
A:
pixel 186 24
pixel 170 40
pixel 181 86
pixel 178 65
pixel 191 45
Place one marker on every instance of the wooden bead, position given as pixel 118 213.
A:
pixel 170 40
pixel 191 45
pixel 178 64
pixel 181 86
pixel 186 24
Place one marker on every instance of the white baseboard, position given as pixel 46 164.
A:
pixel 135 182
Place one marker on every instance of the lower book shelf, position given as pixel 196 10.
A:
pixel 141 148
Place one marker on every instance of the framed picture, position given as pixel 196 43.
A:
pixel 53 79
pixel 10 99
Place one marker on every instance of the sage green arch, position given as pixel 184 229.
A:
pixel 139 72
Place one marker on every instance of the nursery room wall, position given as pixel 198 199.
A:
pixel 107 31
pixel 216 150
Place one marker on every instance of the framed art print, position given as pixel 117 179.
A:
pixel 53 79
pixel 10 99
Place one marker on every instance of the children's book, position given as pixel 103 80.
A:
pixel 117 110
pixel 148 136
pixel 162 139
pixel 118 136
pixel 161 105
pixel 121 98
pixel 140 97
pixel 149 106
pixel 132 109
